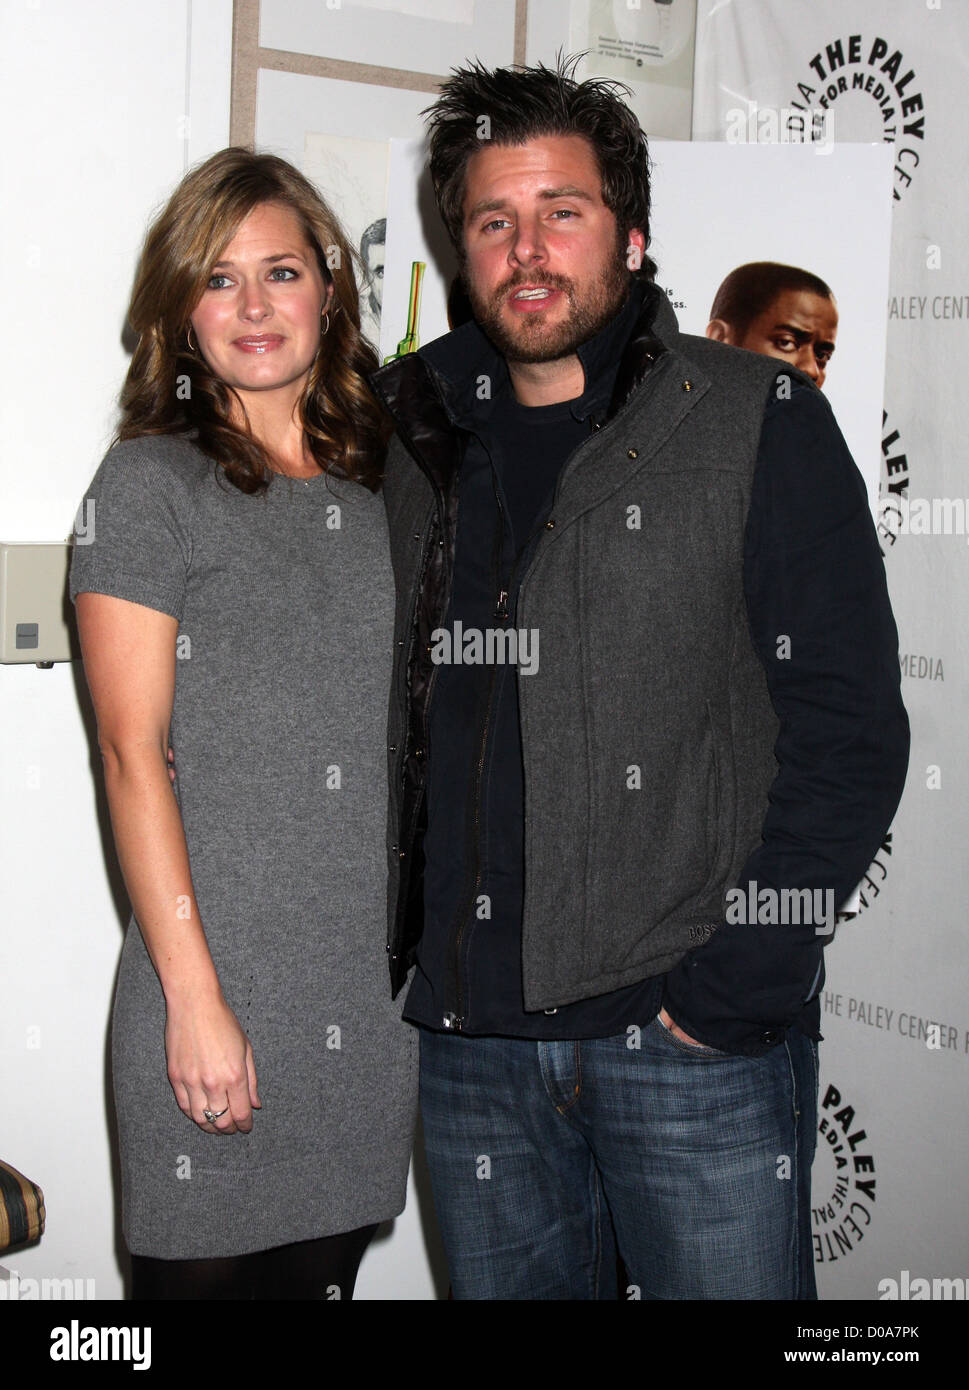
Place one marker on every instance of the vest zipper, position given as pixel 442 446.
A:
pixel 454 1019
pixel 437 527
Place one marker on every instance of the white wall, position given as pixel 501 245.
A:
pixel 106 103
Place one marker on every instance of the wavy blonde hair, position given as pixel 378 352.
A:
pixel 345 428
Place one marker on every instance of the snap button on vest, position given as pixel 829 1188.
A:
pixel 550 525
pixel 688 386
pixel 632 453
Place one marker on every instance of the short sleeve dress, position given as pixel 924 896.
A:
pixel 284 602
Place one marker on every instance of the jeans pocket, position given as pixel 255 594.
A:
pixel 687 1049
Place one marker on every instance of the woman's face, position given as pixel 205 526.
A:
pixel 258 323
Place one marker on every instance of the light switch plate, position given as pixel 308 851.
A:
pixel 36 613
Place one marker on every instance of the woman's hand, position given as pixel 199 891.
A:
pixel 210 1065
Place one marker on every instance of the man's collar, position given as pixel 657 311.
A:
pixel 456 372
pixel 465 358
pixel 600 355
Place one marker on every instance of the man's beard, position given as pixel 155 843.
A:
pixel 536 341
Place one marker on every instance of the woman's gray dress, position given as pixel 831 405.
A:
pixel 285 611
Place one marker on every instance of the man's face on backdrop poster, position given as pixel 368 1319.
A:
pixel 797 326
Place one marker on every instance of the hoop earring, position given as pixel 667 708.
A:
pixel 188 338
pixel 327 328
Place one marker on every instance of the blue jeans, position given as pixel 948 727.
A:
pixel 696 1162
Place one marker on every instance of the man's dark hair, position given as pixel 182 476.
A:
pixel 374 235
pixel 750 289
pixel 522 104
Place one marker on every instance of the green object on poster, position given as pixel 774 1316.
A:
pixel 410 342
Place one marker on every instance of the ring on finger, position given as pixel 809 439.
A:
pixel 213 1115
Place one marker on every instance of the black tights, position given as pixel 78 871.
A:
pixel 319 1269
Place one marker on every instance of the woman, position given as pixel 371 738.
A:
pixel 236 599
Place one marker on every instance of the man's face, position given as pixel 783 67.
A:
pixel 797 326
pixel 374 259
pixel 543 262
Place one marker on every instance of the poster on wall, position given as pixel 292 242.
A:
pixel 417 35
pixel 351 175
pixel 649 47
pixel 420 265
pixel 717 210
pixel 338 134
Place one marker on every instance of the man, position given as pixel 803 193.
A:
pixel 634 515
pixel 780 311
pixel 373 250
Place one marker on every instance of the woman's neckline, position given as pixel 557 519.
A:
pixel 307 481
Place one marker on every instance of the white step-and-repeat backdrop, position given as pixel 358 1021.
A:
pixel 891 1189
